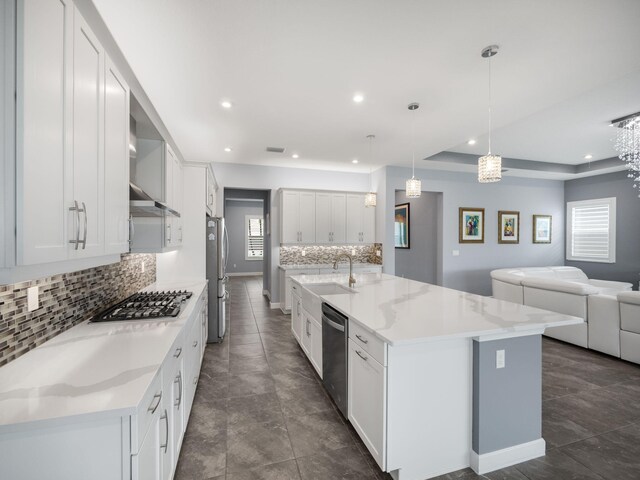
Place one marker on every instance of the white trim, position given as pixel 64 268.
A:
pixel 611 201
pixel 244 274
pixel 274 305
pixel 500 336
pixel 266 293
pixel 488 462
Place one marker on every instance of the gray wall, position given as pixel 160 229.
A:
pixel 627 266
pixel 507 402
pixel 469 271
pixel 235 212
pixel 422 260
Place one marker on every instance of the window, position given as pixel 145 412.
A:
pixel 254 237
pixel 591 230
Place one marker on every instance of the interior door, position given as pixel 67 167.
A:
pixel 88 137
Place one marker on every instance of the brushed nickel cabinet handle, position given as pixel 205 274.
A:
pixel 362 339
pixel 178 380
pixel 76 209
pixel 84 236
pixel 365 358
pixel 152 408
pixel 178 352
pixel 165 417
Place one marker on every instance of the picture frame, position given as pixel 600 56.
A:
pixel 470 225
pixel 402 226
pixel 542 228
pixel 508 227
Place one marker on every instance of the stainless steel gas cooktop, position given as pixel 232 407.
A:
pixel 146 305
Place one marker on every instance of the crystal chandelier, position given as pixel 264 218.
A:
pixel 628 145
pixel 370 199
pixel 413 186
pixel 489 166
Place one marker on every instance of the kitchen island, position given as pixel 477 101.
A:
pixel 438 379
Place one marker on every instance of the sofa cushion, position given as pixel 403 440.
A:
pixel 629 297
pixel 564 286
pixel 629 311
pixel 569 273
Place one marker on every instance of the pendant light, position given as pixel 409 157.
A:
pixel 489 165
pixel 413 185
pixel 370 199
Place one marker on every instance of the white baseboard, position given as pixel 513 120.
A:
pixel 244 274
pixel 488 462
pixel 267 294
pixel 274 305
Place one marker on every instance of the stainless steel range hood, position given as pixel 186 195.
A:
pixel 142 205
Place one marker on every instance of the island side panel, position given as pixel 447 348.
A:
pixel 507 401
pixel 429 389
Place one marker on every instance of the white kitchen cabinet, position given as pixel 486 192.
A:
pixel 147 464
pixel 116 161
pixel 305 336
pixel 211 192
pixel 316 345
pixel 361 220
pixel 330 217
pixel 88 139
pixel 298 217
pixel 286 286
pixel 44 113
pixel 296 317
pixel 367 387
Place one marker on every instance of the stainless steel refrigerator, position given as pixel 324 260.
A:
pixel 217 252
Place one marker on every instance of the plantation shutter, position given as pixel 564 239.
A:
pixel 592 230
pixel 255 237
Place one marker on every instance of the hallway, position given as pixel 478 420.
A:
pixel 261 413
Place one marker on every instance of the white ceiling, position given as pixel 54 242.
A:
pixel 565 68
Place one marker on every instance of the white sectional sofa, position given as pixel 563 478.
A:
pixel 559 289
pixel 614 325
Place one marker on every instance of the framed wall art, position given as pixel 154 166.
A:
pixel 402 229
pixel 542 229
pixel 508 227
pixel 471 225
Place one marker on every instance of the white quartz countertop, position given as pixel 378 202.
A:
pixel 91 369
pixel 399 310
pixel 301 266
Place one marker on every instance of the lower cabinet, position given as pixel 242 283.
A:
pixel 309 336
pixel 367 387
pixel 296 317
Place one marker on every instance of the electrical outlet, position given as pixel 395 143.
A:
pixel 33 301
pixel 234 265
pixel 142 267
pixel 456 253
pixel 304 253
pixel 500 359
pixel 353 251
pixel 378 253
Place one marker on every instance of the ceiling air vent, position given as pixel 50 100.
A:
pixel 275 149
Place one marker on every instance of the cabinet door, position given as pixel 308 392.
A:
pixel 323 218
pixel 166 443
pixel 339 217
pixel 367 400
pixel 44 94
pixel 305 335
pixel 88 137
pixel 290 220
pixel 369 225
pixel 296 317
pixel 147 464
pixel 169 162
pixel 307 217
pixel 355 206
pixel 177 179
pixel 116 161
pixel 178 421
pixel 316 346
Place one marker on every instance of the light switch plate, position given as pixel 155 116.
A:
pixel 378 253
pixel 500 359
pixel 456 253
pixel 33 302
pixel 142 267
pixel 304 253
pixel 353 251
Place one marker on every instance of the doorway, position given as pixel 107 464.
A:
pixel 421 257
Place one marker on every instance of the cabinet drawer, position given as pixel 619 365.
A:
pixel 368 342
pixel 149 408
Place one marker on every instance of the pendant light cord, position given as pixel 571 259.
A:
pixel 413 144
pixel 490 106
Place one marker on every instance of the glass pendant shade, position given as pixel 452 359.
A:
pixel 628 146
pixel 370 199
pixel 490 168
pixel 414 188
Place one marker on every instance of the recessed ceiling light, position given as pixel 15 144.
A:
pixel 471 141
pixel 226 104
pixel 588 156
pixel 227 149
pixel 358 98
pixel 355 160
pixel 295 155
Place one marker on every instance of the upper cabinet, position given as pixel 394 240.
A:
pixel 320 217
pixel 298 213
pixel 72 129
pixel 212 187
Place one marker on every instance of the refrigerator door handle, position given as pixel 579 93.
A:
pixel 226 249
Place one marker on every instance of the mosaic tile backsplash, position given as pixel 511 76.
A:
pixel 314 254
pixel 65 301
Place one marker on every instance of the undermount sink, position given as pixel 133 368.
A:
pixel 328 289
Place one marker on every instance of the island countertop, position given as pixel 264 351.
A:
pixel 400 311
pixel 92 369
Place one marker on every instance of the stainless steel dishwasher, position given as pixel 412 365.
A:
pixel 335 337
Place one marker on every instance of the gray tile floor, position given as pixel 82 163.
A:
pixel 261 413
